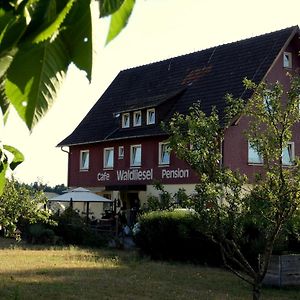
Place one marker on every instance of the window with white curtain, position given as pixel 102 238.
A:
pixel 84 159
pixel 287 60
pixel 253 156
pixel 164 153
pixel 150 116
pixel 136 155
pixel 108 158
pixel 137 118
pixel 125 120
pixel 288 154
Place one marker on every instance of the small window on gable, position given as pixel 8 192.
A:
pixel 125 120
pixel 84 160
pixel 150 116
pixel 108 158
pixel 288 154
pixel 121 152
pixel 137 118
pixel 287 60
pixel 253 156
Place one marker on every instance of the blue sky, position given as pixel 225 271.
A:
pixel 157 29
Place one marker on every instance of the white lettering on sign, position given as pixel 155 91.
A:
pixel 103 176
pixel 134 174
pixel 178 173
pixel 142 175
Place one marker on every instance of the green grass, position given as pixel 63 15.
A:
pixel 76 273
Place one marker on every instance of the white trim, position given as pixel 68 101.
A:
pixel 131 156
pixel 135 113
pixel 81 166
pixel 125 125
pixel 149 122
pixel 105 150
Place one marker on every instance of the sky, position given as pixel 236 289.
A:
pixel 157 30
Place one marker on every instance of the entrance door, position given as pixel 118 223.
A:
pixel 131 206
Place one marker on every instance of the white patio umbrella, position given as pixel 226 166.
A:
pixel 81 195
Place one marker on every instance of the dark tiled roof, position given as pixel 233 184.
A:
pixel 206 75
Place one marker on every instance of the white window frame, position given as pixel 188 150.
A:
pixel 149 121
pixel 121 152
pixel 288 64
pixel 160 154
pixel 135 120
pixel 258 161
pixel 82 165
pixel 132 162
pixel 105 165
pixel 124 123
pixel 291 162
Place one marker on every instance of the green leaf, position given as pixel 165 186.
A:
pixel 52 29
pixel 3 169
pixel 108 7
pixel 34 77
pixel 119 19
pixel 12 32
pixel 4 102
pixel 18 157
pixel 6 57
pixel 77 36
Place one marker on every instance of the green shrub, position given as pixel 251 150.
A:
pixel 40 234
pixel 74 230
pixel 175 235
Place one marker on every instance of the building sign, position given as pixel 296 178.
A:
pixel 142 175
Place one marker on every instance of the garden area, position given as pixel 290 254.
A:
pixel 30 271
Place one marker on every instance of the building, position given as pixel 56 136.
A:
pixel 119 149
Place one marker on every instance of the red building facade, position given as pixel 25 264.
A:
pixel 119 149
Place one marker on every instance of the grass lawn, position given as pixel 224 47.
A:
pixel 76 273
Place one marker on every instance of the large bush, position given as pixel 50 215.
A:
pixel 74 230
pixel 175 235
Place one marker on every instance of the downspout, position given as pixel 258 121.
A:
pixel 68 175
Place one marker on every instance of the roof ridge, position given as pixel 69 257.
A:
pixel 209 48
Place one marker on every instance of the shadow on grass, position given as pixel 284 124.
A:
pixel 84 273
pixel 134 280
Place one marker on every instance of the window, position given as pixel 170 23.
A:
pixel 137 118
pixel 125 120
pixel 136 155
pixel 253 156
pixel 84 159
pixel 121 152
pixel 150 116
pixel 287 60
pixel 267 103
pixel 288 154
pixel 108 158
pixel 164 153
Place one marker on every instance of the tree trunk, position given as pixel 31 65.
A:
pixel 256 291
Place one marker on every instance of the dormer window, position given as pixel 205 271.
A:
pixel 137 118
pixel 125 120
pixel 150 116
pixel 287 60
